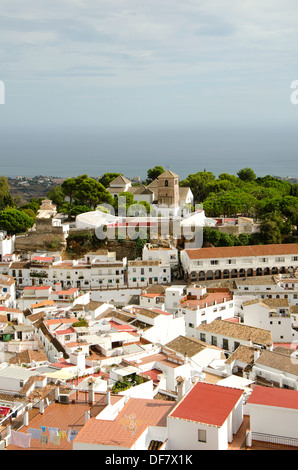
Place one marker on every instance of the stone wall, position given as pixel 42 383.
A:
pixel 44 237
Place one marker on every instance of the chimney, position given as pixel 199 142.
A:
pixel 181 387
pixel 256 354
pixel 57 286
pixel 108 398
pixel 91 390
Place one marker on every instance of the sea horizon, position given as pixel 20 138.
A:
pixel 63 154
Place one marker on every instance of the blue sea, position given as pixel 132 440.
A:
pixel 132 152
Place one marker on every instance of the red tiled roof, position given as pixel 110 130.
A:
pixel 208 300
pixel 162 312
pixel 37 287
pixel 121 327
pixel 70 291
pixel 207 403
pixel 240 251
pixel 153 374
pixel 118 433
pixel 277 397
pixel 42 258
pixel 65 332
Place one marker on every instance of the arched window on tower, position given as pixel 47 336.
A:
pixel 166 183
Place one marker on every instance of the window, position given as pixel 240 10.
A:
pixel 191 325
pixel 166 183
pixel 202 435
pixel 214 340
pixel 202 337
pixel 214 262
pixel 225 344
pixel 280 259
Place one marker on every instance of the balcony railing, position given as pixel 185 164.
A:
pixel 272 441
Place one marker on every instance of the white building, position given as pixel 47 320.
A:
pixel 7 243
pixel 273 415
pixel 141 273
pixel 276 368
pixel 269 287
pixel 229 335
pixel 119 185
pixel 201 305
pixel 173 294
pixel 194 351
pixel 160 326
pixel 206 418
pixel 166 255
pixel 273 315
pixel 239 261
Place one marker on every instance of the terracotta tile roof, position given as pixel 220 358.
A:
pixel 120 433
pixel 238 331
pixel 278 361
pixel 243 354
pixel 186 345
pixel 243 251
pixel 26 357
pixel 44 303
pixel 212 298
pixel 275 303
pixel 207 403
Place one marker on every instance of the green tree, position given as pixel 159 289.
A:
pixel 107 178
pixel 14 221
pixel 69 187
pixel 6 200
pixel 198 183
pixel 57 196
pixel 246 174
pixel 211 235
pixel 153 173
pixel 270 232
pixel 90 192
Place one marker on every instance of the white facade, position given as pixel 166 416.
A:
pixel 173 295
pixel 277 320
pixel 233 262
pixel 186 433
pixel 278 420
pixel 166 255
pixel 200 307
pixel 7 243
pixel 272 287
pixel 142 273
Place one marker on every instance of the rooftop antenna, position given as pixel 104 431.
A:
pixel 132 427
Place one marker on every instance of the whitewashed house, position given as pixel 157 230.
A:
pixel 141 273
pixel 201 264
pixel 206 418
pixel 278 368
pixel 229 335
pixel 166 255
pixel 273 315
pixel 201 305
pixel 273 415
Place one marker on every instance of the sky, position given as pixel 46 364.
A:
pixel 133 64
